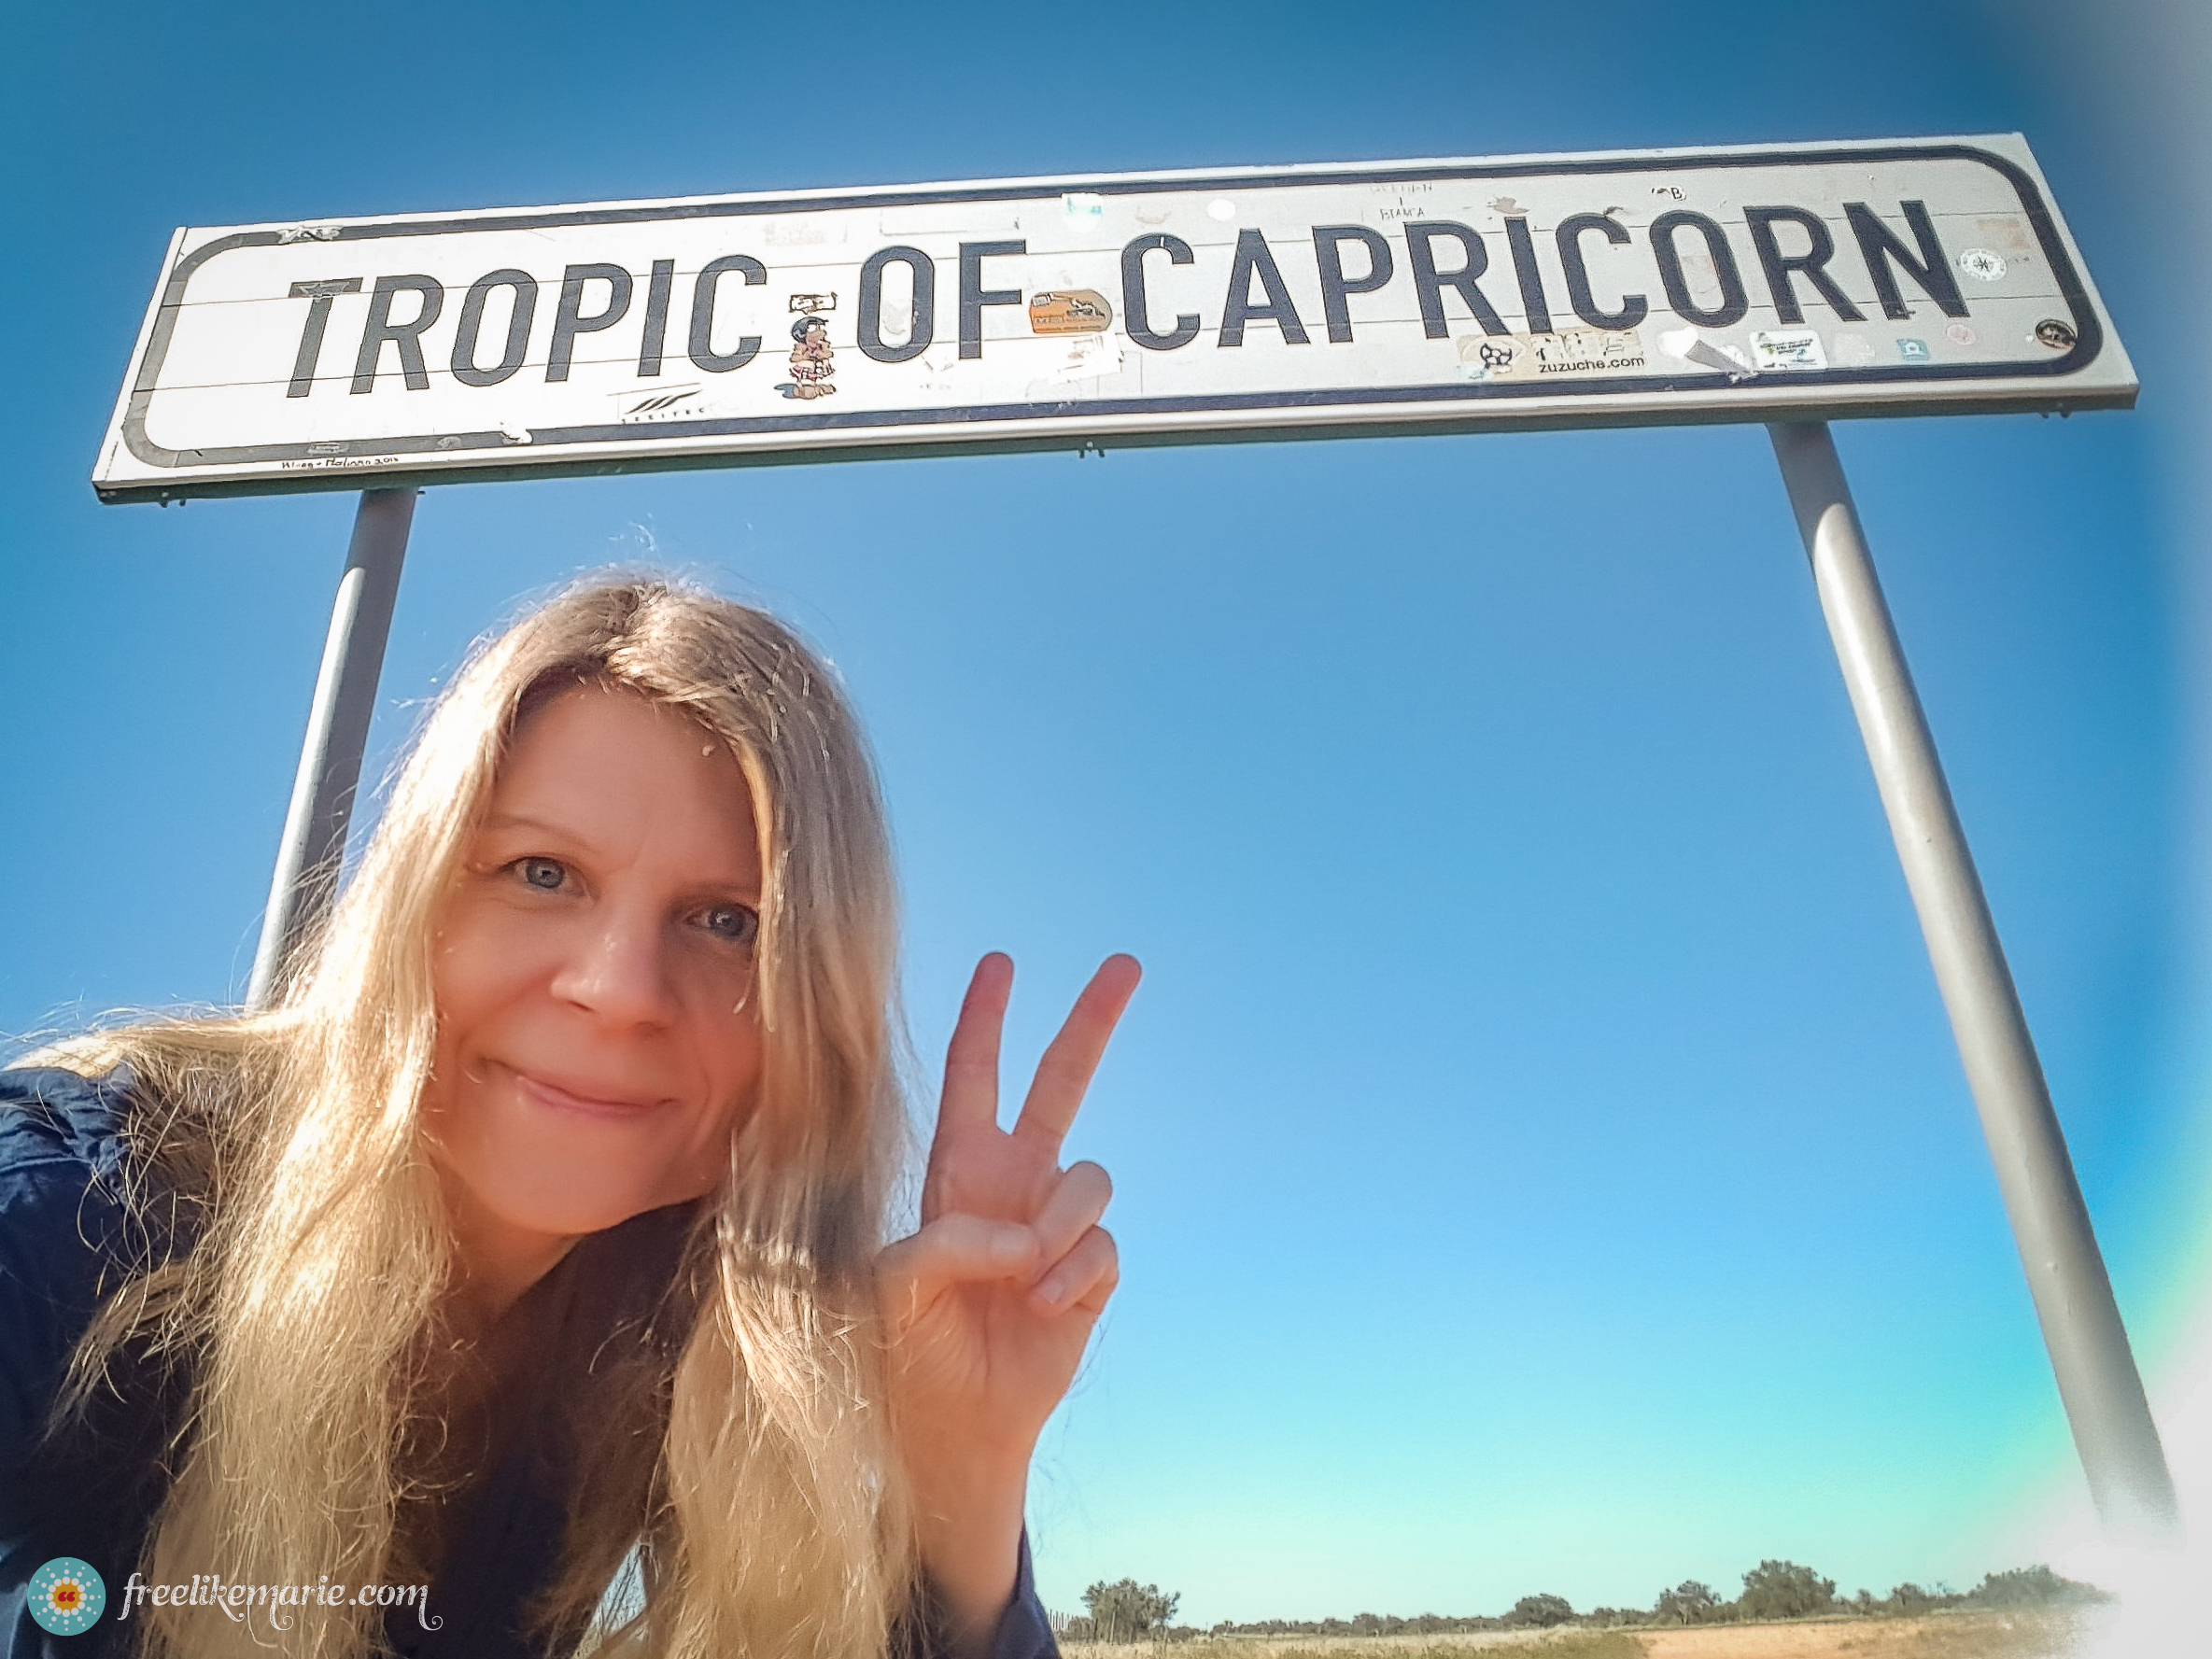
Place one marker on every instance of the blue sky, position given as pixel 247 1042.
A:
pixel 1542 1162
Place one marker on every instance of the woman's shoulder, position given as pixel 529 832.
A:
pixel 65 1231
pixel 69 1236
pixel 59 1128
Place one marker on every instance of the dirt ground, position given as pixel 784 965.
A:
pixel 1945 1636
pixel 1953 1636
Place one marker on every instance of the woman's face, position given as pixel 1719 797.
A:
pixel 598 1039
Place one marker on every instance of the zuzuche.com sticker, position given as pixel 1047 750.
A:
pixel 1570 351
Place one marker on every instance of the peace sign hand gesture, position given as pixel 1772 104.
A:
pixel 987 1307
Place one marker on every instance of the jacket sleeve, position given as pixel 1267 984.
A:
pixel 61 1230
pixel 1024 1629
pixel 62 1226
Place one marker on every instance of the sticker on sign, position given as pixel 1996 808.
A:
pixel 1627 287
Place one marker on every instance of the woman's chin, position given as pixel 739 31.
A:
pixel 572 1209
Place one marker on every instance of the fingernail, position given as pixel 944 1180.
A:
pixel 1050 1290
pixel 1013 1243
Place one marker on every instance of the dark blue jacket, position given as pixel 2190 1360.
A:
pixel 67 1240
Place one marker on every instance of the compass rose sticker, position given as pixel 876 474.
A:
pixel 67 1596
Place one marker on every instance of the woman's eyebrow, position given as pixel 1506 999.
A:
pixel 521 821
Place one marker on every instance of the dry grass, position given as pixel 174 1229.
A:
pixel 1940 1635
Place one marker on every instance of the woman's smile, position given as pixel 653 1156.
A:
pixel 595 1100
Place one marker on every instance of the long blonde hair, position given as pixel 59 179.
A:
pixel 748 1460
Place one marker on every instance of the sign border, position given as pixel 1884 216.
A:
pixel 1069 430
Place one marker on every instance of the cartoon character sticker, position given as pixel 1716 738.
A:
pixel 810 356
pixel 1069 311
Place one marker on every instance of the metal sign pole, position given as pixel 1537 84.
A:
pixel 314 845
pixel 2089 1348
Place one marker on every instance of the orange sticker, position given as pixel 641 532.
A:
pixel 1069 311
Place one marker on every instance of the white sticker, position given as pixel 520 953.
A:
pixel 1984 262
pixel 1089 356
pixel 1707 353
pixel 1787 348
pixel 1853 351
pixel 785 232
pixel 1572 351
pixel 1221 208
pixel 1083 208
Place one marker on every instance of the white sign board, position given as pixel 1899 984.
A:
pixel 1645 286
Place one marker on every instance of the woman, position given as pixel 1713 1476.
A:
pixel 537 1230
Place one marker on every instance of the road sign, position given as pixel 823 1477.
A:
pixel 1647 287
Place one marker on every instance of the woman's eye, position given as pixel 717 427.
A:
pixel 545 874
pixel 733 922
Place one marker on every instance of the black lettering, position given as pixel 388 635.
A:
pixel 525 289
pixel 1878 245
pixel 1134 311
pixel 657 316
pixel 1429 283
pixel 1734 304
pixel 870 323
pixel 1329 254
pixel 701 343
pixel 1254 259
pixel 974 296
pixel 1811 264
pixel 319 295
pixel 1634 307
pixel 569 320
pixel 407 336
pixel 1534 306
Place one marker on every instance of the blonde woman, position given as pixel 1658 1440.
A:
pixel 533 1244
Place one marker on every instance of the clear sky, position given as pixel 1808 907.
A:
pixel 1542 1162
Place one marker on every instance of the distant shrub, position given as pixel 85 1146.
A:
pixel 1541 1610
pixel 2033 1586
pixel 1688 1603
pixel 1784 1590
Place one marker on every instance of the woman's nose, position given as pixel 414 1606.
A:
pixel 619 971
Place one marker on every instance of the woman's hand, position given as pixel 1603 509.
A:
pixel 988 1306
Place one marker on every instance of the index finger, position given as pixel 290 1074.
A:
pixel 1066 1071
pixel 971 1058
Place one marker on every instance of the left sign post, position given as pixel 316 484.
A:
pixel 323 790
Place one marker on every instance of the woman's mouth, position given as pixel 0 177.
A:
pixel 591 1097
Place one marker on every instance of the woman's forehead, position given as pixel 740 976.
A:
pixel 614 767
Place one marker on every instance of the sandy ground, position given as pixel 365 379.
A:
pixel 1956 1635
pixel 1948 1636
pixel 1330 1647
